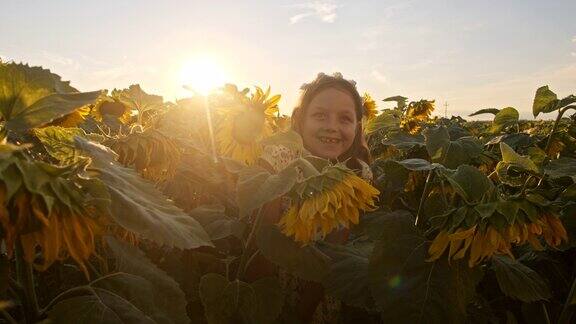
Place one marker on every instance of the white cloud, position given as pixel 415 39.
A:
pixel 573 54
pixel 379 76
pixel 323 10
pixel 573 39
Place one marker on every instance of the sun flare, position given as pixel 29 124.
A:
pixel 202 75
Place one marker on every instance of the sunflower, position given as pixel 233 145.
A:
pixel 322 203
pixel 109 106
pixel 153 155
pixel 243 124
pixel 73 119
pixel 416 113
pixel 370 108
pixel 485 241
pixel 54 217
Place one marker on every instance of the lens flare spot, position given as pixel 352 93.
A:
pixel 395 281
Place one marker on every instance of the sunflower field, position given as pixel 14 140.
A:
pixel 119 207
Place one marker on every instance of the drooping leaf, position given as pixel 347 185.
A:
pixel 545 101
pixel 511 157
pixel 437 143
pixel 167 294
pixel 562 167
pixel 256 187
pixel 519 281
pixel 59 142
pixel 136 99
pixel 141 208
pixel 385 122
pixel 32 96
pixel 348 278
pixel 118 298
pixel 240 302
pixel 450 153
pixel 307 262
pixel 22 85
pixel 493 111
pixel 216 223
pixel 406 288
pixel 49 108
pixel 504 118
pixel 470 183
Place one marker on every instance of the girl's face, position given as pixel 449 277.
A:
pixel 329 124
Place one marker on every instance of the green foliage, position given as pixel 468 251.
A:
pixel 306 262
pixel 32 97
pixel 139 207
pixel 240 302
pixel 518 281
pixel 406 288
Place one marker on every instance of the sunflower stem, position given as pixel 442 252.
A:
pixel 243 265
pixel 423 197
pixel 556 123
pixel 25 277
pixel 210 129
pixel 566 313
pixel 8 317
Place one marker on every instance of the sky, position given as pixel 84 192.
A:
pixel 466 54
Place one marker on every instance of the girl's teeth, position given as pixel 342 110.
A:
pixel 328 140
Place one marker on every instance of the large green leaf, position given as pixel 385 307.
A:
pixel 406 288
pixel 59 142
pixel 513 168
pixel 518 281
pixel 22 85
pixel 141 208
pixel 385 122
pixel 32 96
pixel 240 302
pixel 216 223
pixel 167 294
pixel 544 101
pixel 470 183
pixel 450 153
pixel 306 262
pixel 256 187
pixel 562 167
pixel 119 298
pixel 506 117
pixel 348 278
pixel 135 98
pixel 49 108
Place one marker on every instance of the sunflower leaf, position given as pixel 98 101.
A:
pixel 519 281
pixel 506 117
pixel 118 298
pixel 493 111
pixel 50 108
pixel 59 142
pixel 545 101
pixel 32 96
pixel 237 301
pixel 141 208
pixel 256 187
pixel 307 262
pixel 406 288
pixel 169 298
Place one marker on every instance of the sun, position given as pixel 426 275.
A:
pixel 202 75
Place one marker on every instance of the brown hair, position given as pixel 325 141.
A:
pixel 359 149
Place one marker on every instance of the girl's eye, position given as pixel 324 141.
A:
pixel 346 119
pixel 319 115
